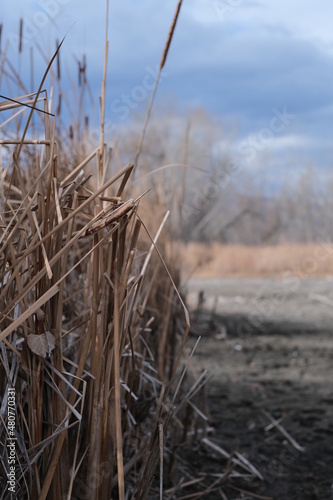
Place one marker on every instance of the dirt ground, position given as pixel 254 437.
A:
pixel 269 347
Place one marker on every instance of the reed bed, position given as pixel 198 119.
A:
pixel 90 359
pixel 278 261
pixel 93 326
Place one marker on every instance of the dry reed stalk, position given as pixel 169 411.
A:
pixel 162 63
pixel 281 260
pixel 45 241
pixel 92 323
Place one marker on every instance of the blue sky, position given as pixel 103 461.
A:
pixel 245 62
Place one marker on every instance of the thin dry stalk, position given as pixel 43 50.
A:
pixel 101 169
pixel 151 102
pixel 283 431
pixel 91 337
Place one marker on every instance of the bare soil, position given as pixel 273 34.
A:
pixel 269 346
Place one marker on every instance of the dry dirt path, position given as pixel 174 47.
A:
pixel 269 345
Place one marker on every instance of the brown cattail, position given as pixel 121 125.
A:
pixel 21 35
pixel 172 29
pixel 59 104
pixel 32 69
pixel 58 61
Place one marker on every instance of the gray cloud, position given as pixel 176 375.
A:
pixel 258 57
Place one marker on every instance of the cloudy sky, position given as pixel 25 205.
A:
pixel 265 67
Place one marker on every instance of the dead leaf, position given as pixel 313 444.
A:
pixel 41 345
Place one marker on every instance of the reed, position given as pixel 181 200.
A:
pixel 303 260
pixel 93 326
pixel 76 317
pixel 76 325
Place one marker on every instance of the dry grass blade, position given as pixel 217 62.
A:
pixel 78 169
pixel 283 431
pixel 29 312
pixel 37 96
pixel 93 323
pixel 241 461
pixel 161 438
pixel 185 370
pixel 116 348
pixel 249 493
pixel 101 169
pixel 151 102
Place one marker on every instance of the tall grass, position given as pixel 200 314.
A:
pixel 92 323
pixel 76 329
pixel 91 332
pixel 278 261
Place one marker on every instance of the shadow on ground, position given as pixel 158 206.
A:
pixel 277 364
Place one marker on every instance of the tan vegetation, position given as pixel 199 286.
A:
pixel 217 260
pixel 92 325
pixel 92 322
